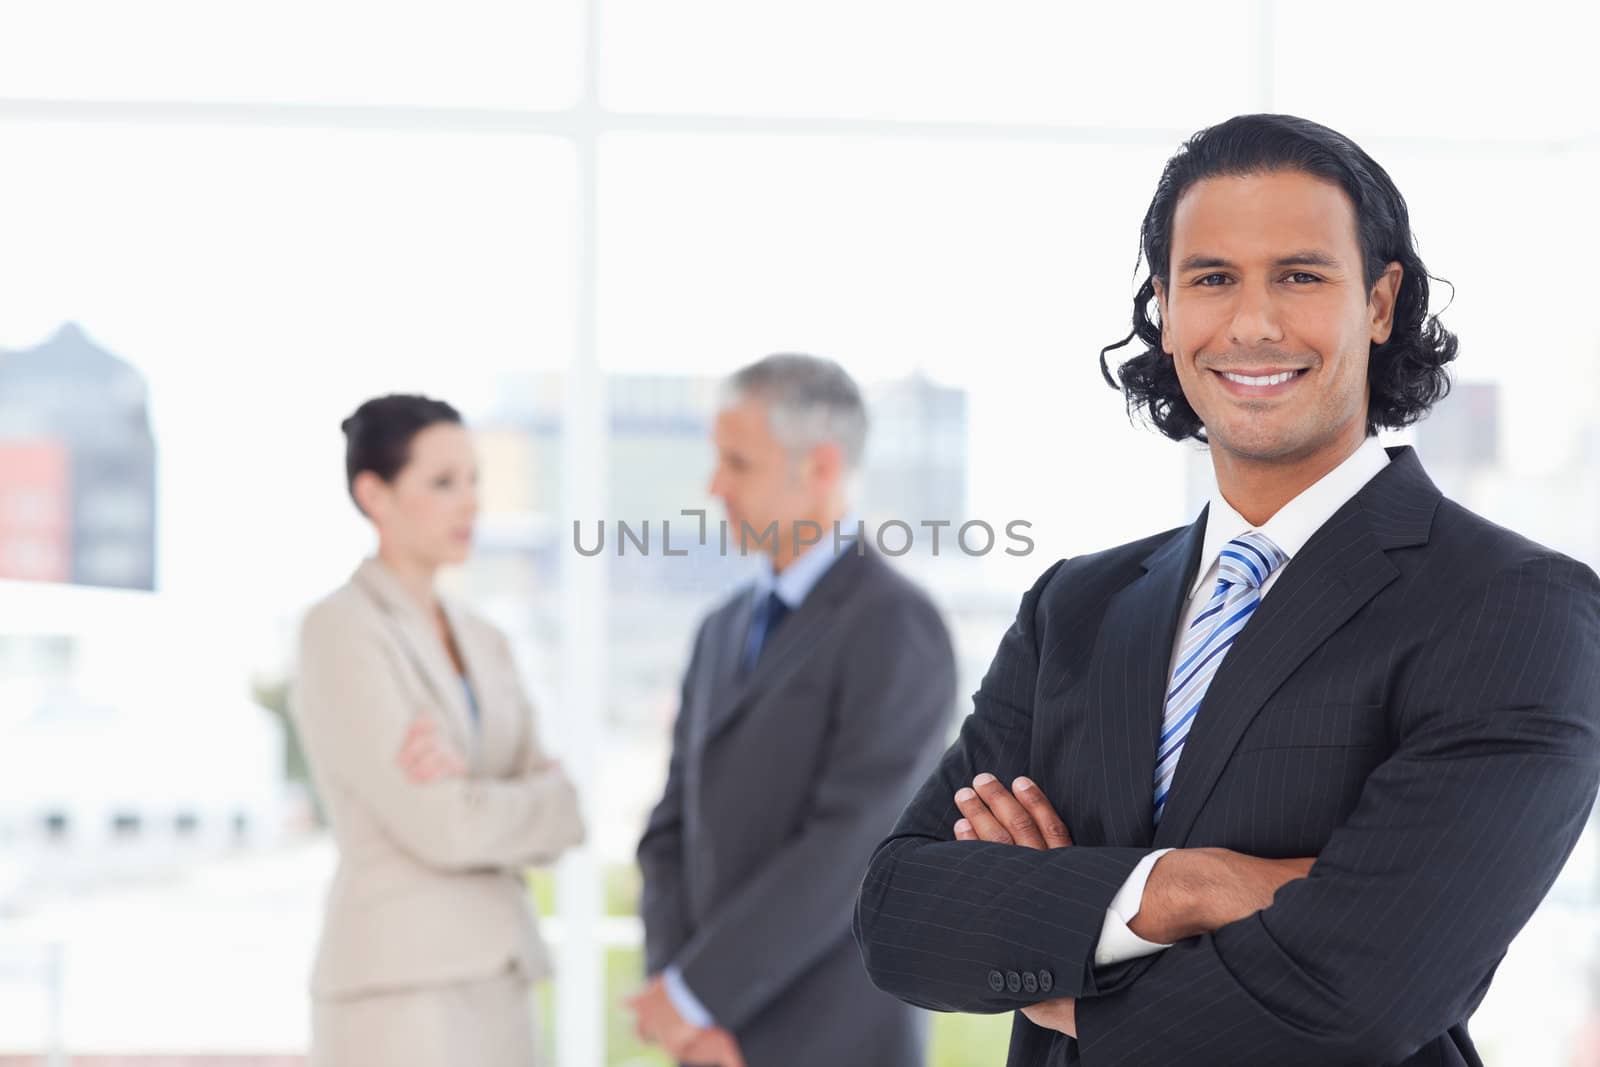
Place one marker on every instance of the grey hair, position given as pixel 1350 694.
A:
pixel 810 401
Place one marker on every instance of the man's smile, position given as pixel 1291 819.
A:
pixel 1260 384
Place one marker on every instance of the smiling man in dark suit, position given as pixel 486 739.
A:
pixel 1281 786
pixel 816 700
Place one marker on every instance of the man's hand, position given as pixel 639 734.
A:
pixel 993 813
pixel 426 756
pixel 1060 1015
pixel 714 1047
pixel 1194 891
pixel 657 1021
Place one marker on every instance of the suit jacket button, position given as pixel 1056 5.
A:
pixel 997 981
pixel 1047 981
pixel 1029 982
pixel 1014 981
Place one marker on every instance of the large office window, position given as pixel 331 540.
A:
pixel 221 228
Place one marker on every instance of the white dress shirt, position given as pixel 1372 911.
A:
pixel 1289 529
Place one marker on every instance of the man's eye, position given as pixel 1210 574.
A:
pixel 1301 277
pixel 1211 280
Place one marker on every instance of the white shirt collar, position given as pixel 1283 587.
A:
pixel 1301 517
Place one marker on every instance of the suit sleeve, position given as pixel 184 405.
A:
pixel 894 704
pixel 941 922
pixel 1393 937
pixel 353 714
pixel 660 853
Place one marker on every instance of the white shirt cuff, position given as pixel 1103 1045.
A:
pixel 683 999
pixel 1119 944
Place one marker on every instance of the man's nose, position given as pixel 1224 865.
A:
pixel 1255 318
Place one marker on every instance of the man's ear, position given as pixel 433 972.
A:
pixel 827 466
pixel 1161 309
pixel 1381 302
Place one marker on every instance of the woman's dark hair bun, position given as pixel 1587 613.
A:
pixel 378 434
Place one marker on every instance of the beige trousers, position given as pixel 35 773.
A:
pixel 484 1023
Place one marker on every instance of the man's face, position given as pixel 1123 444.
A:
pixel 756 478
pixel 1267 317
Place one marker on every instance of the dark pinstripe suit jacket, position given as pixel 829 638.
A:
pixel 1416 703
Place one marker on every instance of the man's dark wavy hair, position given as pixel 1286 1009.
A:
pixel 1406 374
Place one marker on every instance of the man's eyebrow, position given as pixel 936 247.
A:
pixel 1305 257
pixel 1198 262
pixel 1308 257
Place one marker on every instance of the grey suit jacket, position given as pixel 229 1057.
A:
pixel 780 784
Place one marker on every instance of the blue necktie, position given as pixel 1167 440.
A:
pixel 763 621
pixel 1244 566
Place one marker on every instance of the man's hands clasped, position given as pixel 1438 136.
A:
pixel 657 1021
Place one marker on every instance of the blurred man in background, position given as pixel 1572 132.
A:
pixel 815 701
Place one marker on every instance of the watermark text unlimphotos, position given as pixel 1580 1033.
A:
pixel 896 537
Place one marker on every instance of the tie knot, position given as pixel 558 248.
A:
pixel 1249 560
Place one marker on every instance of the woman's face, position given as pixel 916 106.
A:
pixel 427 513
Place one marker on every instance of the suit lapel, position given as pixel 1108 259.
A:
pixel 787 649
pixel 1131 662
pixel 729 629
pixel 420 643
pixel 1340 569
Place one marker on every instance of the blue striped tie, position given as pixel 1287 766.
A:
pixel 1244 566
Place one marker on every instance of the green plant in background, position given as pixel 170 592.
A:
pixel 273 695
pixel 621 890
pixel 969 1040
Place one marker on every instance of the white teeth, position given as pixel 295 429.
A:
pixel 1269 379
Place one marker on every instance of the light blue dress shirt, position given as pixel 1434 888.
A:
pixel 793 584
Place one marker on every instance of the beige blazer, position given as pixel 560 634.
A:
pixel 429 885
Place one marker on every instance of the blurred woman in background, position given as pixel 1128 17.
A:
pixel 422 748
